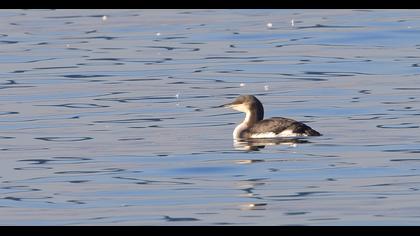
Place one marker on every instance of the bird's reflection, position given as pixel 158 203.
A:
pixel 260 143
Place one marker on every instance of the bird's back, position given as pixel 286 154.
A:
pixel 279 127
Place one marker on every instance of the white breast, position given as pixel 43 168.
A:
pixel 285 133
pixel 238 130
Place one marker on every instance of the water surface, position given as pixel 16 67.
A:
pixel 113 122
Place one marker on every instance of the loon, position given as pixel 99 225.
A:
pixel 254 125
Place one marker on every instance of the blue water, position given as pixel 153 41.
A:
pixel 113 122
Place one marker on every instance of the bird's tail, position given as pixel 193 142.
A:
pixel 311 132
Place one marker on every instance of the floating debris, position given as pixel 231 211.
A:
pixel 269 25
pixel 242 84
pixel 158 34
pixel 292 22
pixel 266 87
pixel 104 18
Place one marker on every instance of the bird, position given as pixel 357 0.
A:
pixel 254 125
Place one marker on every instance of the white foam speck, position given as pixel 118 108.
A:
pixel 158 34
pixel 104 18
pixel 292 22
pixel 269 25
pixel 266 87
pixel 242 84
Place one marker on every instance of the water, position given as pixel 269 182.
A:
pixel 112 120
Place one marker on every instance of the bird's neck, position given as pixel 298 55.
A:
pixel 250 119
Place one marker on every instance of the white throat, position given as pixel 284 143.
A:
pixel 237 132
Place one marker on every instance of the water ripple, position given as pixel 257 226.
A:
pixel 328 26
pixel 8 113
pixel 106 170
pixel 403 150
pixel 8 42
pixel 299 194
pixel 64 139
pixel 178 219
pixel 19 189
pixel 84 76
pixel 174 48
pixel 407 88
pixel 26 198
pixel 147 182
pixel 225 57
pixel 57 160
pixel 406 159
pixel 78 105
pixel 398 126
pixel 55 67
pixel 129 121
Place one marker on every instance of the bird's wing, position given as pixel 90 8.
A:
pixel 275 125
pixel 280 124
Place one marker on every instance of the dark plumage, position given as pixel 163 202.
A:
pixel 254 123
pixel 279 124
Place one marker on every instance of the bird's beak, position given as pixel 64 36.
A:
pixel 224 105
pixel 228 105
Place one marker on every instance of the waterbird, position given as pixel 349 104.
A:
pixel 254 125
